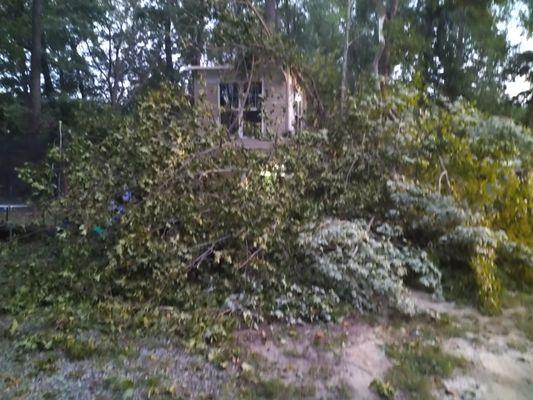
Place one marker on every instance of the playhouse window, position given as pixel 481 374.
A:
pixel 229 95
pixel 252 116
pixel 253 101
pixel 231 101
pixel 229 105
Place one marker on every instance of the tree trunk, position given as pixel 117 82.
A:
pixel 348 27
pixel 36 63
pixel 169 65
pixel 271 14
pixel 381 13
pixel 381 63
pixel 385 68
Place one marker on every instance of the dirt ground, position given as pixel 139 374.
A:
pixel 349 356
pixel 334 361
pixel 344 357
pixel 500 356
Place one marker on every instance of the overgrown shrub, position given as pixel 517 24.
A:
pixel 475 248
pixel 517 261
pixel 161 200
pixel 366 266
pixel 424 214
pixel 285 300
pixel 484 163
pixel 461 243
pixel 158 208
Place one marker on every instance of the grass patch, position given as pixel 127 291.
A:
pixel 45 365
pixel 524 322
pixel 330 340
pixel 77 350
pixel 277 389
pixel 444 326
pixel 384 390
pixel 292 353
pixel 518 346
pixel 151 387
pixel 517 299
pixel 120 386
pixel 418 367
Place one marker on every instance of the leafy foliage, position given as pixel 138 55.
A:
pixel 159 210
pixel 367 268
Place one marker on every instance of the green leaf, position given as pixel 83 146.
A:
pixel 13 328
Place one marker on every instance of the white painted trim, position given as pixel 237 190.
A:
pixel 218 102
pixel 262 106
pixel 381 35
pixel 205 68
pixel 288 82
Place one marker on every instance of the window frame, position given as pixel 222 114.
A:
pixel 241 89
pixel 261 99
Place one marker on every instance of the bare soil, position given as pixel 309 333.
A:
pixel 330 361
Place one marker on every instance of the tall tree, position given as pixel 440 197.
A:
pixel 347 42
pixel 169 64
pixel 463 48
pixel 36 65
pixel 271 14
pixel 385 12
pixel 68 27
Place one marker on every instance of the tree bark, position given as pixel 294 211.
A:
pixel 36 63
pixel 381 63
pixel 348 27
pixel 169 65
pixel 271 14
pixel 381 14
pixel 384 67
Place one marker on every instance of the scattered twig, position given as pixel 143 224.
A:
pixel 201 258
pixel 444 174
pixel 195 263
pixel 249 259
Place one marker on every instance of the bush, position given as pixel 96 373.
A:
pixel 157 210
pixel 367 267
pixel 517 261
pixel 475 247
pixel 160 209
pixel 424 214
pixel 439 223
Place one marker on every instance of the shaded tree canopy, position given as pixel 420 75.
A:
pixel 107 50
